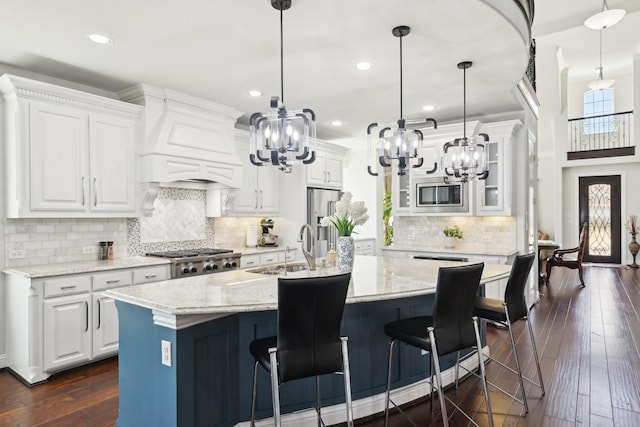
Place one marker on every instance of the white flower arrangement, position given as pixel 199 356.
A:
pixel 348 215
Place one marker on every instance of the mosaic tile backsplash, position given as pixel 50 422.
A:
pixel 479 233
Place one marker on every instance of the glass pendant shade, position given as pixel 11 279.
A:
pixel 282 138
pixel 279 137
pixel 605 18
pixel 465 158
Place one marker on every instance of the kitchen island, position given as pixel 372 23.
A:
pixel 210 320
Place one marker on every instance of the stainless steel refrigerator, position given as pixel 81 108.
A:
pixel 321 203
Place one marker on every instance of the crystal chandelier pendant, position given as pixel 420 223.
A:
pixel 396 143
pixel 280 137
pixel 465 158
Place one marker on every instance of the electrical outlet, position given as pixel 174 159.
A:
pixel 166 352
pixel 16 253
pixel 88 249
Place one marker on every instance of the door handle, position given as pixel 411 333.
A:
pixel 261 200
pixel 328 177
pixel 99 315
pixel 95 192
pixel 83 191
pixel 86 315
pixel 256 205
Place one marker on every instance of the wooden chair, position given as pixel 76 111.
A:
pixel 557 259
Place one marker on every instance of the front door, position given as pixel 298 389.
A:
pixel 600 207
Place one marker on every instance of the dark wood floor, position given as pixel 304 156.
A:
pixel 588 340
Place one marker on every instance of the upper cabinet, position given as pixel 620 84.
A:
pixel 495 194
pixel 68 153
pixel 260 192
pixel 326 171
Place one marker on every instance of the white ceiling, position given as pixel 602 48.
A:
pixel 220 50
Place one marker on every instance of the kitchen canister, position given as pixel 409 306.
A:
pixel 252 236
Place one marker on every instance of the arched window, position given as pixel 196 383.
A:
pixel 598 104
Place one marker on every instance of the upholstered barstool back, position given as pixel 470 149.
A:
pixel 309 318
pixel 308 343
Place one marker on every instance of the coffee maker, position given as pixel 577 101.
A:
pixel 268 238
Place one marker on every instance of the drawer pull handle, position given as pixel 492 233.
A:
pixel 150 276
pixel 86 306
pixel 113 281
pixel 64 288
pixel 99 315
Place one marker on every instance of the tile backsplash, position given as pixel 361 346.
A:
pixel 479 233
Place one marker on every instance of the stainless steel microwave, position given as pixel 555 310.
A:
pixel 433 195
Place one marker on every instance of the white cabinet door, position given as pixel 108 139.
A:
pixel 59 162
pixel 333 166
pixel 112 164
pixel 316 172
pixel 67 331
pixel 105 325
pixel 268 185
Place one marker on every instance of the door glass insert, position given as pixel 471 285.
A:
pixel 599 219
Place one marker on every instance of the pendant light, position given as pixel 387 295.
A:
pixel 601 83
pixel 397 142
pixel 465 158
pixel 605 18
pixel 280 137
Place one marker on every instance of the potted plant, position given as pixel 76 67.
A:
pixel 451 234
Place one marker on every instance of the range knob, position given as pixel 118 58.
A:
pixel 227 265
pixel 208 267
pixel 194 269
pixel 215 266
pixel 234 264
pixel 185 270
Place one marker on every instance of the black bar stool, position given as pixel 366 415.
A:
pixel 451 328
pixel 509 311
pixel 308 342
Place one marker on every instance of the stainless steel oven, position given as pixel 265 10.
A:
pixel 433 195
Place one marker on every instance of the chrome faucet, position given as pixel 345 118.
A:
pixel 310 256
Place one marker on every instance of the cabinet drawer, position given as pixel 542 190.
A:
pixel 66 285
pixel 287 256
pixel 111 279
pixel 248 261
pixel 270 258
pixel 151 274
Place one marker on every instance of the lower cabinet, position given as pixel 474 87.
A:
pixel 267 258
pixel 58 322
pixel 67 336
pixel 365 246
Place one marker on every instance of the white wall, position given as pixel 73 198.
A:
pixel 623 95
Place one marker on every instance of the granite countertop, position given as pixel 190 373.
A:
pixel 453 251
pixel 373 279
pixel 46 270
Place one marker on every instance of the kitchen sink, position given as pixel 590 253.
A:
pixel 275 270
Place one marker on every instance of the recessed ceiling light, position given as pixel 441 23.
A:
pixel 428 108
pixel 363 66
pixel 336 123
pixel 255 93
pixel 100 39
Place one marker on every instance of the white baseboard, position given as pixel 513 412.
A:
pixel 369 405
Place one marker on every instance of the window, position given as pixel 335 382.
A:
pixel 598 103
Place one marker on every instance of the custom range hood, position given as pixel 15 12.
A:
pixel 185 139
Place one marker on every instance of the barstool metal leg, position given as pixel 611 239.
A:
pixel 482 372
pixel 432 376
pixel 386 398
pixel 254 394
pixel 347 381
pixel 318 403
pixel 535 353
pixel 515 356
pixel 436 361
pixel 275 386
pixel 457 367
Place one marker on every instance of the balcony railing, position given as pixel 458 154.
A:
pixel 606 135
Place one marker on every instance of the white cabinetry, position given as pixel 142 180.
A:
pixel 495 194
pixel 260 192
pixel 267 258
pixel 365 246
pixel 69 153
pixel 58 322
pixel 326 171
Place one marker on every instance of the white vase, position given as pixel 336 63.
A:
pixel 449 242
pixel 345 250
